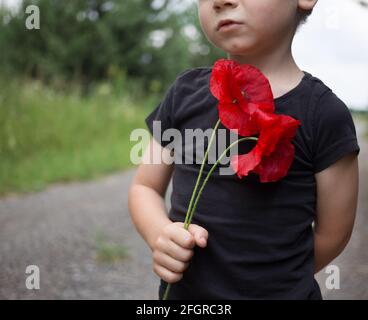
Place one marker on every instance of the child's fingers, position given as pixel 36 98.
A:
pixel 167 275
pixel 169 263
pixel 177 252
pixel 181 237
pixel 200 234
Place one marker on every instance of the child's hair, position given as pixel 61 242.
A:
pixel 302 16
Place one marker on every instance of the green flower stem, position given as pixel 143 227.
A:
pixel 186 224
pixel 212 169
pixel 191 213
pixel 200 175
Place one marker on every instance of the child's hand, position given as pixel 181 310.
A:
pixel 173 249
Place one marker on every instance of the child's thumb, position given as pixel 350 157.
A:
pixel 200 235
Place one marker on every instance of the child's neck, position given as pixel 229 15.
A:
pixel 277 65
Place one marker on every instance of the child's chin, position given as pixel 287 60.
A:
pixel 237 49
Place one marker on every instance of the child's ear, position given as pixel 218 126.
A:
pixel 307 4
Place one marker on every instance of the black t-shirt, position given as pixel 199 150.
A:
pixel 260 243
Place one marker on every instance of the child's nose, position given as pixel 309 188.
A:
pixel 220 4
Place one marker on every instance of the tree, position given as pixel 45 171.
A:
pixel 90 40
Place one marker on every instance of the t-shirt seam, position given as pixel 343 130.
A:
pixel 187 71
pixel 314 133
pixel 335 144
pixel 177 82
pixel 173 121
pixel 318 164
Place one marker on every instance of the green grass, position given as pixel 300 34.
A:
pixel 363 118
pixel 107 252
pixel 48 136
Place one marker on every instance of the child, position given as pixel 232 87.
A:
pixel 251 240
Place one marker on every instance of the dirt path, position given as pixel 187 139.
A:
pixel 63 229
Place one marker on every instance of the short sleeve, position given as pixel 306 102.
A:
pixel 334 132
pixel 164 114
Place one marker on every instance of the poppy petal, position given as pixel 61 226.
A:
pixel 244 163
pixel 233 118
pixel 276 166
pixel 243 87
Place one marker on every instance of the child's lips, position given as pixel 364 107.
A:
pixel 228 25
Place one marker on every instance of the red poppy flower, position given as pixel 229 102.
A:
pixel 241 89
pixel 273 155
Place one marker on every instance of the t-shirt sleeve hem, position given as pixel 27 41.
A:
pixel 149 122
pixel 336 152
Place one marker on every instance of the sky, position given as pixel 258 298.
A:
pixel 10 3
pixel 333 46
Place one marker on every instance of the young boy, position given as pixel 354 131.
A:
pixel 251 240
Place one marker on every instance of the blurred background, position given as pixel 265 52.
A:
pixel 71 92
